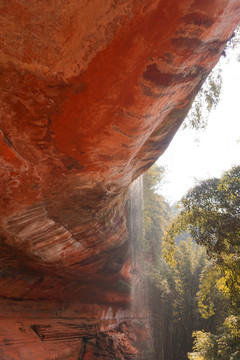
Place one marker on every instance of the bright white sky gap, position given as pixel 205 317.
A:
pixel 218 148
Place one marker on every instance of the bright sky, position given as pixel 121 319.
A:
pixel 218 147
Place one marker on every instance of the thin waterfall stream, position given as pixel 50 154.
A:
pixel 139 285
pixel 136 239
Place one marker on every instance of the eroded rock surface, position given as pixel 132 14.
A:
pixel 91 94
pixel 60 330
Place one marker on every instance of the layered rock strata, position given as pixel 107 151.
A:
pixel 92 92
pixel 59 330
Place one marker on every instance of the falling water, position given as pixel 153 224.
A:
pixel 136 223
pixel 139 286
pixel 136 215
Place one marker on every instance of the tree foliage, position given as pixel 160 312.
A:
pixel 210 212
pixel 222 346
pixel 157 213
pixel 209 95
pixel 200 288
pixel 173 297
pixel 171 291
pixel 206 100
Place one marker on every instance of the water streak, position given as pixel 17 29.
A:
pixel 139 286
pixel 138 247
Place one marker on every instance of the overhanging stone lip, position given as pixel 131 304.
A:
pixel 81 117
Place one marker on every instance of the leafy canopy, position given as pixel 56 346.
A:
pixel 209 95
pixel 210 212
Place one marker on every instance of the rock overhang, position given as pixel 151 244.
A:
pixel 92 93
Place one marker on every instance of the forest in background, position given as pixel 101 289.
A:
pixel 191 259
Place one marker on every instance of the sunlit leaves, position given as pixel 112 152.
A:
pixel 223 346
pixel 206 100
pixel 205 347
pixel 211 213
pixel 209 95
pixel 207 291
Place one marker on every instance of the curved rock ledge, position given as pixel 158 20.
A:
pixel 92 92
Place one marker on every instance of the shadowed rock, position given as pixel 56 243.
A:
pixel 92 92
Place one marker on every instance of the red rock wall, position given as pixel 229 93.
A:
pixel 91 94
pixel 59 330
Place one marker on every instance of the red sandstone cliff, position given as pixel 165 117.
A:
pixel 91 94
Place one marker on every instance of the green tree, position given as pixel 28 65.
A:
pixel 210 212
pixel 171 291
pixel 205 346
pixel 157 213
pixel 173 301
pixel 206 100
pixel 222 346
pixel 209 95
